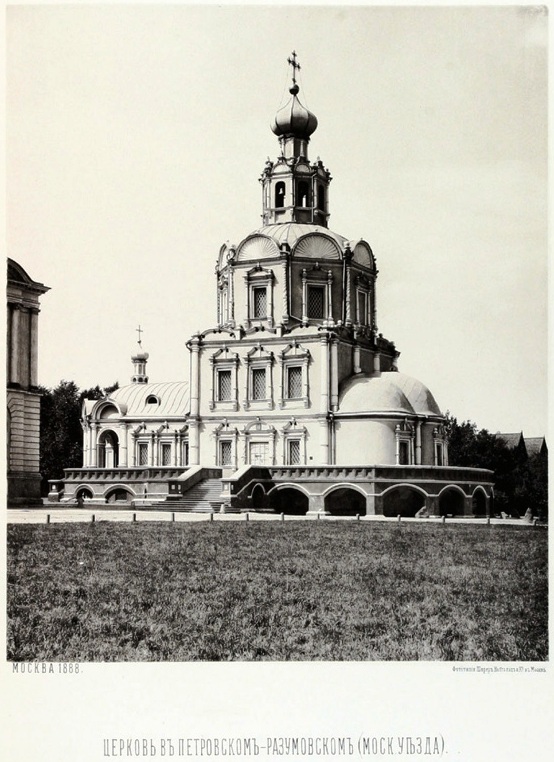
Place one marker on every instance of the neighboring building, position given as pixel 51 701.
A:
pixel 294 398
pixel 536 446
pixel 525 447
pixel 23 399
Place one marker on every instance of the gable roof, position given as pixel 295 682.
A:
pixel 535 445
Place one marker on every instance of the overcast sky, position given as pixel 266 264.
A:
pixel 136 136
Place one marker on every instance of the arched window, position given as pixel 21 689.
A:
pixel 152 400
pixel 280 195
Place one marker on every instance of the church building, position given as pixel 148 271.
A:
pixel 294 401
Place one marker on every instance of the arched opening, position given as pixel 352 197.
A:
pixel 290 501
pixel 403 501
pixel 258 498
pixel 303 198
pixel 345 502
pixel 108 450
pixel 280 195
pixel 451 503
pixel 479 503
pixel 119 495
pixel 85 493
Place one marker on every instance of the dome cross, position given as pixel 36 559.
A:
pixel 295 65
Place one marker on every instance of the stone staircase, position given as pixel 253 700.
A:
pixel 204 497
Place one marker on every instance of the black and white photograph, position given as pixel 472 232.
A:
pixel 276 393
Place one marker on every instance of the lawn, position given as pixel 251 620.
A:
pixel 269 590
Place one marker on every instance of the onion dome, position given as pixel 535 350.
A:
pixel 294 120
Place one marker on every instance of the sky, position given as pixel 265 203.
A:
pixel 136 136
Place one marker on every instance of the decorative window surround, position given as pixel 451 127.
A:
pixel 293 356
pixel 259 432
pixel 363 302
pixel 259 278
pixel 224 361
pixel 258 359
pixel 440 451
pixel 292 432
pixel 405 434
pixel 226 439
pixel 322 279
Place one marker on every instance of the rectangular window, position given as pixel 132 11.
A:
pixel 225 453
pixel 316 302
pixel 404 454
pixel 259 296
pixel 166 455
pixel 258 384
pixel 294 383
pixel 439 455
pixel 362 307
pixel 259 453
pixel 294 452
pixel 185 454
pixel 143 454
pixel 223 385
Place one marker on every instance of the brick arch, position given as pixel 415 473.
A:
pixel 403 500
pixel 289 499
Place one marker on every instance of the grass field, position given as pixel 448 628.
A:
pixel 269 590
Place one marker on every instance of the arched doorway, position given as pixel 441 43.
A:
pixel 403 501
pixel 119 495
pixel 345 501
pixel 108 450
pixel 289 500
pixel 451 502
pixel 479 503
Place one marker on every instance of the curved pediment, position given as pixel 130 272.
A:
pixel 316 246
pixel 256 247
pixel 362 254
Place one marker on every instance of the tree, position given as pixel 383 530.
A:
pixel 61 434
pixel 520 482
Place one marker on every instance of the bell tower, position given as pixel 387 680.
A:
pixel 293 190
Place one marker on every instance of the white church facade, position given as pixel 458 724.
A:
pixel 294 402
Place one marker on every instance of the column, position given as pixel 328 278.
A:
pixel 194 445
pixel 334 374
pixel 86 442
pixel 357 366
pixel 418 443
pixel 348 311
pixel 152 449
pixel 377 362
pixel 14 344
pixel 33 349
pixel 329 296
pixel 94 445
pixel 231 296
pixel 324 441
pixel 195 377
pixel 123 445
pixel 324 401
pixel 247 303
pixel 285 315
pixel 304 298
